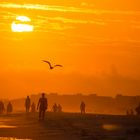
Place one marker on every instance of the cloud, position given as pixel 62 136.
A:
pixel 81 20
pixel 69 20
pixel 66 9
pixel 85 4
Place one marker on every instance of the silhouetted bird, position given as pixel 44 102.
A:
pixel 51 67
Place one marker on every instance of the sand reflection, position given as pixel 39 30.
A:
pixel 7 126
pixel 11 138
pixel 111 127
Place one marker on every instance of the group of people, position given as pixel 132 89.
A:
pixel 137 109
pixel 131 112
pixel 9 108
pixel 56 108
pixel 29 106
pixel 83 107
pixel 41 106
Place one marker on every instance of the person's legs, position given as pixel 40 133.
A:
pixel 81 111
pixel 84 110
pixel 40 112
pixel 26 109
pixel 43 114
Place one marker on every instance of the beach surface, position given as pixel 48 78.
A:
pixel 69 126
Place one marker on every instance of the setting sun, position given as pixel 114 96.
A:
pixel 22 24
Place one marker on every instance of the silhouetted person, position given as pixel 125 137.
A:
pixel 27 104
pixel 42 106
pixel 2 108
pixel 59 108
pixel 82 107
pixel 138 110
pixel 9 108
pixel 54 108
pixel 127 112
pixel 33 107
pixel 131 112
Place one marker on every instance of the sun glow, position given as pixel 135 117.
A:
pixel 22 24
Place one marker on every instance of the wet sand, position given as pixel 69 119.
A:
pixel 70 126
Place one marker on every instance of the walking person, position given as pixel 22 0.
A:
pixel 33 108
pixel 59 108
pixel 27 104
pixel 9 108
pixel 2 108
pixel 137 109
pixel 42 106
pixel 54 108
pixel 82 107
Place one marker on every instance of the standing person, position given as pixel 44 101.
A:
pixel 127 112
pixel 82 107
pixel 27 104
pixel 137 109
pixel 9 108
pixel 59 108
pixel 2 108
pixel 42 106
pixel 33 107
pixel 131 112
pixel 54 108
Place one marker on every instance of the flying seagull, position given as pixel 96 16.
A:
pixel 51 67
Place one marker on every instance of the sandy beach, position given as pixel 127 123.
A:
pixel 69 126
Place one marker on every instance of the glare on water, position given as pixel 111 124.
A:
pixel 7 126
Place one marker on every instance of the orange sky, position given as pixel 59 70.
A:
pixel 97 42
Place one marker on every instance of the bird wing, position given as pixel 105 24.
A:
pixel 58 66
pixel 47 62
